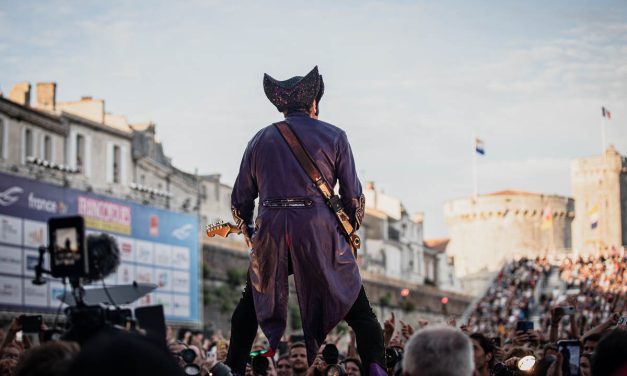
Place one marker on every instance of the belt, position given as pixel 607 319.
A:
pixel 296 202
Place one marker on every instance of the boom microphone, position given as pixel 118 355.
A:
pixel 104 256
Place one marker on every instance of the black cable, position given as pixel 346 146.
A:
pixel 104 285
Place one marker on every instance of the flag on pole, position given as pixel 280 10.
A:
pixel 547 219
pixel 593 214
pixel 479 146
pixel 606 113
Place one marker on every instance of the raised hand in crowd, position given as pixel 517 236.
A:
pixel 389 326
pixel 406 330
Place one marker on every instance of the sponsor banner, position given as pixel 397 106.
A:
pixel 36 296
pixel 35 233
pixel 10 260
pixel 11 290
pixel 156 246
pixel 10 230
pixel 105 215
pixel 126 273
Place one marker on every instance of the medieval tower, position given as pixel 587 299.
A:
pixel 599 186
pixel 491 229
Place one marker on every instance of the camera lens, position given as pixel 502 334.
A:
pixel 191 369
pixel 188 355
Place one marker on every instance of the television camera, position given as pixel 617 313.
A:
pixel 82 260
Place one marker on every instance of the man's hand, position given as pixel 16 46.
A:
pixel 557 313
pixel 406 330
pixel 389 326
pixel 556 368
pixel 520 338
pixel 15 326
pixel 511 362
pixel 613 319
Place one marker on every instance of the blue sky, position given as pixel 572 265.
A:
pixel 409 81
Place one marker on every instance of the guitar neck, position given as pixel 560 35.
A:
pixel 222 229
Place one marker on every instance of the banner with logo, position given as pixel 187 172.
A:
pixel 156 246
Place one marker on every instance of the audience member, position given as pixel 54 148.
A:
pixel 438 351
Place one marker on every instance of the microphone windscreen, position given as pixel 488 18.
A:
pixel 104 255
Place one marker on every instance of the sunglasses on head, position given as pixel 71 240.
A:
pixel 258 352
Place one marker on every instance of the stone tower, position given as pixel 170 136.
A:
pixel 491 229
pixel 599 186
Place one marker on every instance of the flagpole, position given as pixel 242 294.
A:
pixel 603 135
pixel 474 166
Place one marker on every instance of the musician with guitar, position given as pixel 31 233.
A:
pixel 302 227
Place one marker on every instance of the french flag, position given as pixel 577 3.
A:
pixel 606 113
pixel 479 148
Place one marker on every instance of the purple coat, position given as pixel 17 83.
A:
pixel 325 271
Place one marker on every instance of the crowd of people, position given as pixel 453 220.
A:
pixel 580 329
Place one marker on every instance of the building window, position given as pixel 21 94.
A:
pixel 80 151
pixel 394 234
pixel 116 163
pixel 28 143
pixel 47 148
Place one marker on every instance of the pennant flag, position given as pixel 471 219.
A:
pixel 606 113
pixel 479 146
pixel 547 219
pixel 593 214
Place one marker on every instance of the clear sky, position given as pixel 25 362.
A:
pixel 409 81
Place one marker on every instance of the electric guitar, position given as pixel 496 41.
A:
pixel 222 229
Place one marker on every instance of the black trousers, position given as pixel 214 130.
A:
pixel 360 318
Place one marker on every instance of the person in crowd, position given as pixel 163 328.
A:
pixel 124 354
pixel 298 358
pixel 49 359
pixel 585 365
pixel 441 351
pixel 610 356
pixel 7 367
pixel 283 366
pixel 353 367
pixel 590 342
pixel 483 350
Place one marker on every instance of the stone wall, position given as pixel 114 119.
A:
pixel 487 231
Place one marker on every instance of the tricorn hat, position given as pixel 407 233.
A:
pixel 296 93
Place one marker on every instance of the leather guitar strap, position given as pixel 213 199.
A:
pixel 332 200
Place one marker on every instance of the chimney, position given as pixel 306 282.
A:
pixel 46 95
pixel 20 93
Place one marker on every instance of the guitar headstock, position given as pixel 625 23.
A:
pixel 222 229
